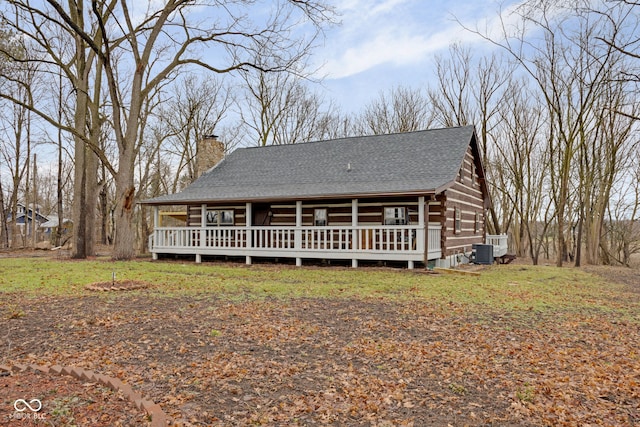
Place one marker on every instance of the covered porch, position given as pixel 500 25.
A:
pixel 409 243
pixel 393 243
pixel 417 240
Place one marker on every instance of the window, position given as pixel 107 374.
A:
pixel 395 216
pixel 478 227
pixel 458 220
pixel 320 217
pixel 218 217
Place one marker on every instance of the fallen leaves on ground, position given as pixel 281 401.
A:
pixel 63 401
pixel 342 361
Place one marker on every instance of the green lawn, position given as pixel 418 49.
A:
pixel 511 287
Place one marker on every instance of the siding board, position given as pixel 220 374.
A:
pixel 466 195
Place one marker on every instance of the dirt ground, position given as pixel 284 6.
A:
pixel 208 361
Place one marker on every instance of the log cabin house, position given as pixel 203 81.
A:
pixel 416 197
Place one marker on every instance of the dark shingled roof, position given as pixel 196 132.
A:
pixel 412 162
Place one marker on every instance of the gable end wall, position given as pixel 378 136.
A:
pixel 466 195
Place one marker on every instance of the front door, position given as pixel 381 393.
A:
pixel 261 217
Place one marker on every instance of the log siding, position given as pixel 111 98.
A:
pixel 466 195
pixel 370 212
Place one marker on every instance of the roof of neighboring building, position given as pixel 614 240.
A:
pixel 27 213
pixel 413 162
pixel 54 222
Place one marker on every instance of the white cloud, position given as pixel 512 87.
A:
pixel 365 9
pixel 404 32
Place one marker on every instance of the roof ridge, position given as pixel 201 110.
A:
pixel 346 138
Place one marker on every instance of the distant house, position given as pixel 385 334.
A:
pixel 26 216
pixel 417 197
pixel 27 220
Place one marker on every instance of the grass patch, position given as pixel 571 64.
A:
pixel 526 393
pixel 514 288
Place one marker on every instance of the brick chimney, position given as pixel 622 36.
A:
pixel 209 152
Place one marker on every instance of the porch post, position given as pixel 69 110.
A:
pixel 298 232
pixel 202 233
pixel 355 236
pixel 156 225
pixel 422 233
pixel 248 215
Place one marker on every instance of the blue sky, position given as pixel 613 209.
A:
pixel 382 44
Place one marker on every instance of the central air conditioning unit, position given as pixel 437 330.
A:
pixel 483 254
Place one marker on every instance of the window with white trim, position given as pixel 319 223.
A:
pixel 478 227
pixel 320 217
pixel 457 220
pixel 395 216
pixel 219 217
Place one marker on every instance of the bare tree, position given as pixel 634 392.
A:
pixel 136 54
pixel 194 109
pixel 169 38
pixel 4 228
pixel 336 124
pixel 605 153
pixel 451 99
pixel 470 91
pixel 56 47
pixel 16 151
pixel 279 108
pixel 304 120
pixel 401 110
pixel 569 71
pixel 621 237
pixel 60 177
pixel 623 20
pixel 519 166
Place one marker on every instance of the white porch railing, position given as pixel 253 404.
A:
pixel 500 244
pixel 434 242
pixel 392 242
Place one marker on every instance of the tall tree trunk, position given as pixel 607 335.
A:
pixel 144 227
pixel 84 201
pixel 560 241
pixel 124 246
pixel 87 123
pixel 579 239
pixel 593 229
pixel 27 196
pixel 13 225
pixel 34 211
pixel 104 214
pixel 79 216
pixel 57 240
pixel 4 231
